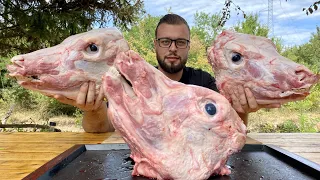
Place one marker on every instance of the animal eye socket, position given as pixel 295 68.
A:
pixel 210 109
pixel 236 58
pixel 92 48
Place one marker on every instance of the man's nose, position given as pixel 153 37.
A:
pixel 173 46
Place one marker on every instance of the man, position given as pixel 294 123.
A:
pixel 172 44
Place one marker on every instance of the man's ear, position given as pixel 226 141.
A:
pixel 154 43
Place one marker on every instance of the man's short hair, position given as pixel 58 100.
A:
pixel 172 19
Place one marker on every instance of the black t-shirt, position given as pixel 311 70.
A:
pixel 199 78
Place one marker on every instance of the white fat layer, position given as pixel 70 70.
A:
pixel 94 70
pixel 127 88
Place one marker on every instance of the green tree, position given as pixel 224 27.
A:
pixel 5 81
pixel 197 55
pixel 251 25
pixel 308 53
pixel 140 37
pixel 206 27
pixel 29 25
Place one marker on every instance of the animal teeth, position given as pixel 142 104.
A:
pixel 23 78
pixel 300 90
pixel 112 70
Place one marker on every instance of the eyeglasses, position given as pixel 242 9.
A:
pixel 166 42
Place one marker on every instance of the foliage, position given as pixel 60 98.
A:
pixel 5 81
pixel 279 44
pixel 251 25
pixel 310 103
pixel 313 7
pixel 267 127
pixel 197 55
pixel 27 26
pixel 206 27
pixel 303 125
pixel 226 12
pixel 287 127
pixel 140 37
pixel 51 107
pixel 307 54
pixel 78 116
pixel 19 96
pixel 27 99
pixel 307 124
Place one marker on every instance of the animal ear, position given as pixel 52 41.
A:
pixel 210 55
pixel 228 32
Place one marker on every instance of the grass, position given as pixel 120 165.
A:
pixel 270 121
pixel 284 120
pixel 21 116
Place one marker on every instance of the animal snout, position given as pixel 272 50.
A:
pixel 302 74
pixel 18 60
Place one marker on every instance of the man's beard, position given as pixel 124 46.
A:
pixel 171 68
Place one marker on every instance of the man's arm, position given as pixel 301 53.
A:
pixel 244 117
pixel 97 120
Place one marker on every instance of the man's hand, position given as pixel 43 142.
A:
pixel 86 99
pixel 244 102
pixel 95 117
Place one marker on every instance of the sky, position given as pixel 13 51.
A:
pixel 290 23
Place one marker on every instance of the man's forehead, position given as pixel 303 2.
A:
pixel 173 31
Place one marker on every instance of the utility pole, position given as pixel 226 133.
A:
pixel 270 18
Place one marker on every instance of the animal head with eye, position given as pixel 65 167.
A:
pixel 62 69
pixel 166 122
pixel 253 62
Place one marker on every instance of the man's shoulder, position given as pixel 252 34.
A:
pixel 196 72
pixel 200 78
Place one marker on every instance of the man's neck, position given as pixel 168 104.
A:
pixel 176 76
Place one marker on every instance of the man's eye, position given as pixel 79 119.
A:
pixel 181 43
pixel 165 42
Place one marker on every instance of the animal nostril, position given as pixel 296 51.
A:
pixel 301 74
pixel 35 77
pixel 18 59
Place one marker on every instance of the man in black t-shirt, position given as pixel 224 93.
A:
pixel 172 44
pixel 197 77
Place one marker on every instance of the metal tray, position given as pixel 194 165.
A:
pixel 112 162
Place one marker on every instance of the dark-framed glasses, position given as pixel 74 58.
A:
pixel 166 43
